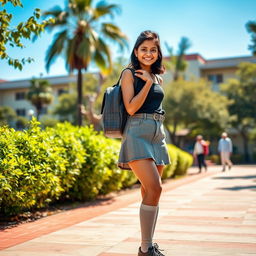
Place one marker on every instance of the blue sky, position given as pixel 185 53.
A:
pixel 216 29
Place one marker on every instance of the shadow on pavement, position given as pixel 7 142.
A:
pixel 235 177
pixel 237 188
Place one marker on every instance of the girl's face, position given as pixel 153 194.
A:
pixel 147 53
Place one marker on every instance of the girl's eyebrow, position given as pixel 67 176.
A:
pixel 154 47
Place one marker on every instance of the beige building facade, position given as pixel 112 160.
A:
pixel 13 94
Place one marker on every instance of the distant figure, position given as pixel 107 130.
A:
pixel 200 150
pixel 225 148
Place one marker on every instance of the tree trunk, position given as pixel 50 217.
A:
pixel 173 134
pixel 38 110
pixel 245 144
pixel 175 76
pixel 79 97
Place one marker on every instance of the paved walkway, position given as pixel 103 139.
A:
pixel 202 215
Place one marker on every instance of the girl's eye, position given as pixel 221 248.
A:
pixel 154 50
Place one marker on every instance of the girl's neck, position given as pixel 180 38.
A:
pixel 147 68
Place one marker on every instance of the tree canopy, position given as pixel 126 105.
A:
pixel 242 92
pixel 251 28
pixel 193 105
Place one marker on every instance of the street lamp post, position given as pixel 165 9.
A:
pixel 31 112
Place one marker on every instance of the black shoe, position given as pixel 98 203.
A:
pixel 152 251
pixel 157 250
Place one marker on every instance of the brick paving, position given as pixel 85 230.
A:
pixel 210 214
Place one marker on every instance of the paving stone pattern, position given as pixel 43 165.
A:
pixel 214 215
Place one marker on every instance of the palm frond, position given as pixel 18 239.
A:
pixel 251 26
pixel 70 60
pixel 112 32
pixel 102 9
pixel 55 48
pixel 104 48
pixel 84 50
pixel 60 16
pixel 53 12
pixel 100 61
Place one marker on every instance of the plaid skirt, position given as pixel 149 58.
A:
pixel 143 138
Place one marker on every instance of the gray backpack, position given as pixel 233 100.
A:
pixel 114 114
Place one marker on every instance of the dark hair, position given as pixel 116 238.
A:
pixel 157 67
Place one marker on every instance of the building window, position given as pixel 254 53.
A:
pixel 20 96
pixel 21 112
pixel 215 78
pixel 61 91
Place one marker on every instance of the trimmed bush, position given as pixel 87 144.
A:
pixel 184 161
pixel 170 168
pixel 214 158
pixel 30 165
pixel 38 167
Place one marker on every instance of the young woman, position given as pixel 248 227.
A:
pixel 143 147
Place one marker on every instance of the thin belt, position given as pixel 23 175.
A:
pixel 155 116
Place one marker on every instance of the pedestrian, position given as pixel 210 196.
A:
pixel 200 151
pixel 225 149
pixel 143 147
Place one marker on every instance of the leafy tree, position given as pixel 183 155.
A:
pixel 193 105
pixel 82 38
pixel 251 28
pixel 242 92
pixel 7 115
pixel 176 63
pixel 66 107
pixel 12 36
pixel 40 94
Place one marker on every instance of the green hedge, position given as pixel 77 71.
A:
pixel 180 162
pixel 38 167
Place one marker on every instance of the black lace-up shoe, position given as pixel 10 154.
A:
pixel 152 251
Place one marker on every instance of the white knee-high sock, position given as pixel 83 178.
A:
pixel 147 218
pixel 154 226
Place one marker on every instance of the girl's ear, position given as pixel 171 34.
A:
pixel 136 52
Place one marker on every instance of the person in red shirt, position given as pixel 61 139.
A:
pixel 200 151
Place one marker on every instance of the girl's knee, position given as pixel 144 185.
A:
pixel 155 190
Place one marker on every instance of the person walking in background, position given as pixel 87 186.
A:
pixel 200 151
pixel 225 149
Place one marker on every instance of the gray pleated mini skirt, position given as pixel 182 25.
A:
pixel 143 138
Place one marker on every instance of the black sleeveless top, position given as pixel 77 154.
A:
pixel 153 102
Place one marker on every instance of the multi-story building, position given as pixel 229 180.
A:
pixel 13 93
pixel 215 70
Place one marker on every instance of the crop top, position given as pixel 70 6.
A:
pixel 153 102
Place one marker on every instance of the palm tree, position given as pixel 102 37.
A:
pixel 177 63
pixel 251 28
pixel 40 94
pixel 83 38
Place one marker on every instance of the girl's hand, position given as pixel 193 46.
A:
pixel 144 75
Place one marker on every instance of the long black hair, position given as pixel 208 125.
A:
pixel 157 67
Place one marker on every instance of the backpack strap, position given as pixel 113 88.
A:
pixel 117 84
pixel 158 80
